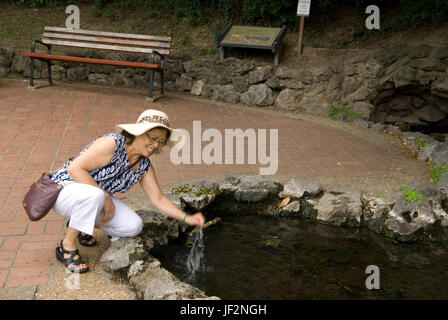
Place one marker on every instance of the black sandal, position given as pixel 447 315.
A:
pixel 71 263
pixel 84 240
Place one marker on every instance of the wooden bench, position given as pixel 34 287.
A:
pixel 151 45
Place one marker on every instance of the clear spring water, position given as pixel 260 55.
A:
pixel 258 257
pixel 196 261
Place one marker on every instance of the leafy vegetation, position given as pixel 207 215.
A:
pixel 410 194
pixel 421 143
pixel 407 13
pixel 437 171
pixel 336 111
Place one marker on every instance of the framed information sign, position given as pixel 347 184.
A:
pixel 251 37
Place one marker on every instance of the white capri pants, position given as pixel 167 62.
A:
pixel 84 204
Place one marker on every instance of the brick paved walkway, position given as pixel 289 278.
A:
pixel 41 129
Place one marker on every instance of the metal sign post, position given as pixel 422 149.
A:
pixel 303 10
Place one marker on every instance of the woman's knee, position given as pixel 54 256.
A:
pixel 136 227
pixel 133 227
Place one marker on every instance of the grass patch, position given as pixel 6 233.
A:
pixel 410 194
pixel 421 143
pixel 437 171
pixel 336 111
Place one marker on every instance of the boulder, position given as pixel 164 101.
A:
pixel 416 140
pixel 260 75
pixel 440 153
pixel 291 208
pixel 122 254
pixel 350 84
pixel 233 67
pixel 440 88
pixel 184 83
pixel 196 195
pixel 200 69
pixel 99 78
pixel 226 93
pixel 259 95
pixel 197 87
pixel 4 71
pixel 341 208
pixel 58 72
pixel 240 84
pixel 273 83
pixel 152 282
pixel 6 56
pixel 441 53
pixel 298 188
pixel 285 72
pixel 78 73
pixel 405 217
pixel 389 56
pixel 256 188
pixel 289 99
pixel 365 109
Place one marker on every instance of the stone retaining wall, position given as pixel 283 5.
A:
pixel 407 84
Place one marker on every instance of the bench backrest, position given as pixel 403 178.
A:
pixel 106 40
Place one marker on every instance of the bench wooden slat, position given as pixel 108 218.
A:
pixel 109 34
pixel 103 46
pixel 90 60
pixel 153 44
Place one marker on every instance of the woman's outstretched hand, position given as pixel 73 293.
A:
pixel 196 219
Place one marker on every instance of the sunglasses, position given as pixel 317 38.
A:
pixel 154 139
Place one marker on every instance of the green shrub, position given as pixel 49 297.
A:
pixel 421 143
pixel 410 194
pixel 437 171
pixel 411 13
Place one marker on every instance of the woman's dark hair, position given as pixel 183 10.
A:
pixel 130 137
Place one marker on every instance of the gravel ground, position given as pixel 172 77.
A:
pixel 93 285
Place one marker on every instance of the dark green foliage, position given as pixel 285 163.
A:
pixel 406 13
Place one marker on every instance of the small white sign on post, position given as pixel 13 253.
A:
pixel 303 8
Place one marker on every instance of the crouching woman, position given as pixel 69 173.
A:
pixel 109 165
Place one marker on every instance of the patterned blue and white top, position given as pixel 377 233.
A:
pixel 105 176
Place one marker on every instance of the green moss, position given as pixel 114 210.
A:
pixel 203 190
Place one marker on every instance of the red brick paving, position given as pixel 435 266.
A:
pixel 40 129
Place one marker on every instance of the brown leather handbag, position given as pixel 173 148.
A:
pixel 41 197
pixel 43 194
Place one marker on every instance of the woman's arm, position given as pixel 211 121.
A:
pixel 96 156
pixel 163 204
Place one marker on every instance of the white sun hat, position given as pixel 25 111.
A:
pixel 150 119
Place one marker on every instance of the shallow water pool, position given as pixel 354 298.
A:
pixel 259 257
